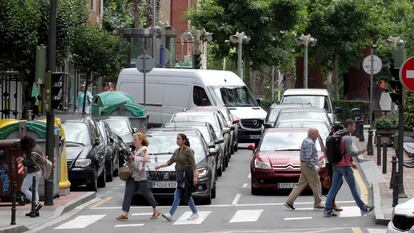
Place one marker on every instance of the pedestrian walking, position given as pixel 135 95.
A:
pixel 186 176
pixel 32 163
pixel 309 172
pixel 343 168
pixel 81 101
pixel 138 179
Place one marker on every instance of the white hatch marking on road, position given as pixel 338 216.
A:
pixel 81 222
pixel 372 230
pixel 298 218
pixel 350 211
pixel 245 185
pixel 236 199
pixel 249 176
pixel 182 220
pixel 246 216
pixel 309 208
pixel 141 214
pixel 130 225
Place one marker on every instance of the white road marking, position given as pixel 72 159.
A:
pixel 246 216
pixel 410 74
pixel 236 199
pixel 182 220
pixel 141 214
pixel 249 176
pixel 298 218
pixel 81 222
pixel 350 211
pixel 372 230
pixel 245 185
pixel 130 225
pixel 309 208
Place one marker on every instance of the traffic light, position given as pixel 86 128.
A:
pixel 57 90
pixel 197 61
pixel 396 87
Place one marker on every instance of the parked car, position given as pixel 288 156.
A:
pixel 276 160
pixel 214 119
pixel 209 135
pixel 227 120
pixel 303 113
pixel 402 218
pixel 85 153
pixel 162 144
pixel 121 125
pixel 274 111
pixel 320 125
pixel 111 145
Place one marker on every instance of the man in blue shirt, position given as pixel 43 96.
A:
pixel 81 98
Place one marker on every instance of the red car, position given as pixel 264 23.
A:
pixel 276 160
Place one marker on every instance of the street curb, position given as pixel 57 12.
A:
pixel 68 206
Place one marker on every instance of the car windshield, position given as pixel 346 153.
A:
pixel 119 126
pixel 281 141
pixel 321 126
pixel 285 116
pixel 316 101
pixel 202 118
pixel 272 115
pixel 165 145
pixel 232 96
pixel 77 132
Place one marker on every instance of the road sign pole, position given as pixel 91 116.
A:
pixel 371 86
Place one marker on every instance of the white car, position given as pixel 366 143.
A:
pixel 403 218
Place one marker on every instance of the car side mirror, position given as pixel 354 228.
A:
pixel 259 100
pixel 268 125
pixel 226 130
pixel 213 151
pixel 232 127
pixel 219 141
pixel 337 110
pixel 211 145
pixel 111 140
pixel 251 147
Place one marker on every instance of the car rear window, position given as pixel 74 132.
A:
pixel 281 141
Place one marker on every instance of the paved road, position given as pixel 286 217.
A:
pixel 234 210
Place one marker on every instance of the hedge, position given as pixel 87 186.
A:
pixel 347 105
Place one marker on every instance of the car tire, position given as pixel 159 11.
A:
pixel 255 191
pixel 220 171
pixel 213 191
pixel 236 147
pixel 110 172
pixel 102 179
pixel 93 185
pixel 207 200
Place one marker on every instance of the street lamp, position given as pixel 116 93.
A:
pixel 239 38
pixel 206 37
pixel 306 40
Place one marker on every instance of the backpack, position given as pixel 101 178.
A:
pixel 45 166
pixel 333 148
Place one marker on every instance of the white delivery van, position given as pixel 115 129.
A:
pixel 318 98
pixel 173 90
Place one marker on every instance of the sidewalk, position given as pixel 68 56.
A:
pixel 380 183
pixel 60 206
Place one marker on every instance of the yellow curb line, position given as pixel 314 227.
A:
pixel 356 230
pixel 101 202
pixel 362 187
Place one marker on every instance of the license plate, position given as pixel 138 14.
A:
pixel 286 185
pixel 255 136
pixel 161 184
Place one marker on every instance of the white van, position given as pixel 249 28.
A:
pixel 318 98
pixel 169 91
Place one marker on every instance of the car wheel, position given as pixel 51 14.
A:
pixel 236 147
pixel 213 191
pixel 93 185
pixel 102 179
pixel 254 191
pixel 110 171
pixel 207 200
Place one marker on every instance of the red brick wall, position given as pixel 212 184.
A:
pixel 315 76
pixel 181 24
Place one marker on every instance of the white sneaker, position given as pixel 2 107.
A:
pixel 193 216
pixel 168 216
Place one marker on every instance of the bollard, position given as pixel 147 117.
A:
pixel 384 158
pixel 393 171
pixel 33 211
pixel 370 148
pixel 395 190
pixel 13 214
pixel 378 150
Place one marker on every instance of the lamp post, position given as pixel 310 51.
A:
pixel 306 40
pixel 396 42
pixel 200 35
pixel 239 38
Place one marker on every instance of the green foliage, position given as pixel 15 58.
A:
pixel 348 105
pixel 386 122
pixel 409 111
pixel 117 14
pixel 99 51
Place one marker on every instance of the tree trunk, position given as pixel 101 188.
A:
pixel 136 21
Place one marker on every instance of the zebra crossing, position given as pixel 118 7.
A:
pixel 237 216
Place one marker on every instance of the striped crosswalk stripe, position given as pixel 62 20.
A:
pixel 81 222
pixel 246 216
pixel 182 220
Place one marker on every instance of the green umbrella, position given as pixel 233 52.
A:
pixel 110 98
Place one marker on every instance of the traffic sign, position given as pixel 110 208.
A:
pixel 165 58
pixel 145 63
pixel 377 64
pixel 407 74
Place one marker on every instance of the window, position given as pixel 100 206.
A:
pixel 200 97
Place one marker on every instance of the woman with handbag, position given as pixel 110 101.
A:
pixel 183 158
pixel 138 178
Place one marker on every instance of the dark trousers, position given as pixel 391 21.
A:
pixel 130 187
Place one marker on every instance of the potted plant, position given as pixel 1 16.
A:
pixel 386 126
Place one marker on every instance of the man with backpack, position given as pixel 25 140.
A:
pixel 343 167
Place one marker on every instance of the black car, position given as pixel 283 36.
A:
pixel 111 142
pixel 208 133
pixel 85 152
pixel 162 144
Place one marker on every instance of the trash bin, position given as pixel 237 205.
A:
pixel 357 116
pixel 9 151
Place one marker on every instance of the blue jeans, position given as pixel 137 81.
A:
pixel 177 196
pixel 27 185
pixel 348 174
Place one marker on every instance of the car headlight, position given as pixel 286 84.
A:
pixel 261 164
pixel 202 172
pixel 83 162
pixel 322 163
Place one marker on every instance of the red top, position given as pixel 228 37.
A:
pixel 346 159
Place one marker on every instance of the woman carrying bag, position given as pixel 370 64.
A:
pixel 138 179
pixel 183 158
